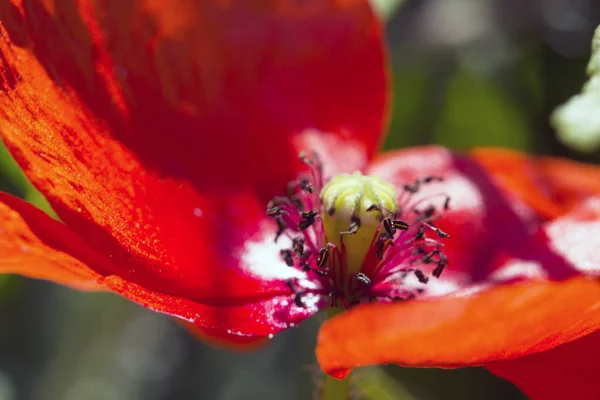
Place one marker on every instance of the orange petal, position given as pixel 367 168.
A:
pixel 550 186
pixel 37 246
pixel 505 322
pixel 569 371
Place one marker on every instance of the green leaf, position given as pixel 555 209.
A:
pixel 578 120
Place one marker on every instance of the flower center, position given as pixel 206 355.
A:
pixel 357 239
pixel 353 209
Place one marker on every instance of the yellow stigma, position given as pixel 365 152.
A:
pixel 346 199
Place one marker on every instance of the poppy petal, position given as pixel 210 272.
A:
pixel 490 222
pixel 189 88
pixel 550 186
pixel 569 371
pixel 35 245
pixel 479 218
pixel 254 318
pixel 98 111
pixel 482 318
pixel 505 322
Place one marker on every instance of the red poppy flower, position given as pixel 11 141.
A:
pixel 159 131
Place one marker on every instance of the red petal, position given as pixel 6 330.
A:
pixel 550 186
pixel 491 231
pixel 480 219
pixel 146 125
pixel 482 321
pixel 197 90
pixel 37 246
pixel 505 322
pixel 569 371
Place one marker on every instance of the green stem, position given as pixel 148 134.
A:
pixel 335 389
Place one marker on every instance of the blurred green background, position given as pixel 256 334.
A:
pixel 466 73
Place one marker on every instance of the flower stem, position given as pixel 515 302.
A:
pixel 335 389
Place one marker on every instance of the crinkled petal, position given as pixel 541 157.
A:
pixel 156 129
pixel 569 371
pixel 35 245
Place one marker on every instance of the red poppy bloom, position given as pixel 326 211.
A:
pixel 160 130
